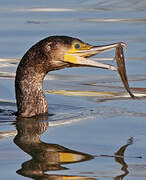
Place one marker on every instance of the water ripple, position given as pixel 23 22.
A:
pixel 108 20
pixel 37 9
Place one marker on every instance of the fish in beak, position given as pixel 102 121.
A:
pixel 80 54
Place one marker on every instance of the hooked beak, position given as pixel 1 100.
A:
pixel 81 56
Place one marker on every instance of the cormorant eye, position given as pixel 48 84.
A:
pixel 77 46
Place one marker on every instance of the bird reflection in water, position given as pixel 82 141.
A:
pixel 51 157
pixel 45 156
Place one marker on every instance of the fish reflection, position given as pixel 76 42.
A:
pixel 119 157
pixel 45 156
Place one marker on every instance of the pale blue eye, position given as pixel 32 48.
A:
pixel 77 46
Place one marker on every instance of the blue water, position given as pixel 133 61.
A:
pixel 92 128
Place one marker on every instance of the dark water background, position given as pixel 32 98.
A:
pixel 92 128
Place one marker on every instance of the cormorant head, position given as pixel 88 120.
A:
pixel 71 52
pixel 58 52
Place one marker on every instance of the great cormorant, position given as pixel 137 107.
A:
pixel 51 53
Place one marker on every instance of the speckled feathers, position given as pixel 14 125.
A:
pixel 44 56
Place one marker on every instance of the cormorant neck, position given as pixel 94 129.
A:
pixel 30 97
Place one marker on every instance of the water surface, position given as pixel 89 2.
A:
pixel 89 130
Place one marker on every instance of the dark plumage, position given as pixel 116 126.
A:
pixel 47 55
